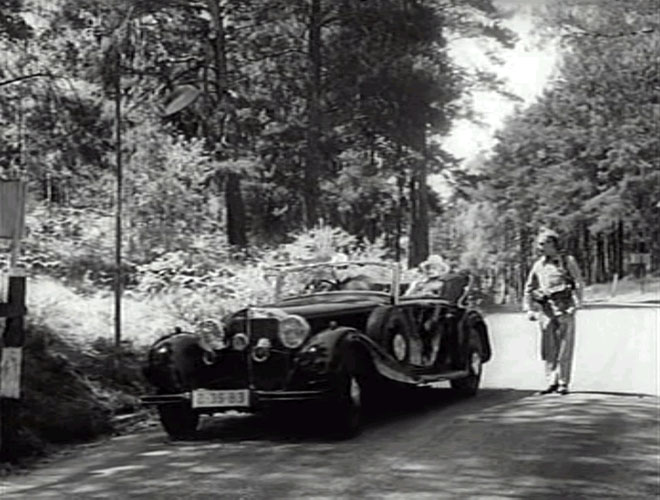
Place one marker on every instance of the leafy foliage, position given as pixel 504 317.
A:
pixel 379 80
pixel 584 158
pixel 199 283
pixel 12 26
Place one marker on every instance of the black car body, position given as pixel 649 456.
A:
pixel 336 346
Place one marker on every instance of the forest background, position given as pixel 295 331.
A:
pixel 255 131
pixel 244 123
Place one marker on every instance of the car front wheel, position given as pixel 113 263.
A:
pixel 179 421
pixel 469 385
pixel 347 407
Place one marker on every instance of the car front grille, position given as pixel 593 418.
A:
pixel 273 373
pixel 230 371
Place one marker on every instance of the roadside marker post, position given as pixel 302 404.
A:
pixel 12 222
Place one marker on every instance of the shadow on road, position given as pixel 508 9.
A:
pixel 586 445
pixel 302 425
pixel 503 444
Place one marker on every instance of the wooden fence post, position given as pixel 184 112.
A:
pixel 12 217
pixel 11 362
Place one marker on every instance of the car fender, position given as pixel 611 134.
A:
pixel 348 347
pixel 174 361
pixel 473 327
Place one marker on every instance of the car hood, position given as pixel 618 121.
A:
pixel 331 303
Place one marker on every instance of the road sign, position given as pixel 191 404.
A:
pixel 10 372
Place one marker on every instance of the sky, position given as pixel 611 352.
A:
pixel 527 69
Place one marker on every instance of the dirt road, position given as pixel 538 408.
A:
pixel 617 349
pixel 505 443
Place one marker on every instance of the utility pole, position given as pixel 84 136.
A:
pixel 313 158
pixel 119 206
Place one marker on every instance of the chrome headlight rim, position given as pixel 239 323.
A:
pixel 292 331
pixel 261 352
pixel 240 342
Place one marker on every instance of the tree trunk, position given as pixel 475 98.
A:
pixel 619 244
pixel 587 255
pixel 609 255
pixel 235 207
pixel 523 253
pixel 600 259
pixel 236 222
pixel 401 203
pixel 418 242
pixel 419 206
pixel 313 156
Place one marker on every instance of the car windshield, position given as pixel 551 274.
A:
pixel 310 279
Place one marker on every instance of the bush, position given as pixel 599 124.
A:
pixel 72 385
pixel 57 403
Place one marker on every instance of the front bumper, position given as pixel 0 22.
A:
pixel 258 399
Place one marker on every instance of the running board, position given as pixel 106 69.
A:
pixel 439 377
pixel 416 378
pixel 386 366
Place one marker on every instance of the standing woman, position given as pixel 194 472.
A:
pixel 553 292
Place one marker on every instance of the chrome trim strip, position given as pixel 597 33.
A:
pixel 158 399
pixel 267 396
pixel 248 350
pixel 397 284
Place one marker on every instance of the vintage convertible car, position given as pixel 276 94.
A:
pixel 335 339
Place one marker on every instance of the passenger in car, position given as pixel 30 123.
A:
pixel 430 282
pixel 456 286
pixel 360 282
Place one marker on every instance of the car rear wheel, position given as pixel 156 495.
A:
pixel 469 385
pixel 179 420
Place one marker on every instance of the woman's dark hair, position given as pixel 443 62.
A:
pixel 554 240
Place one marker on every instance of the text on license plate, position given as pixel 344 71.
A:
pixel 202 398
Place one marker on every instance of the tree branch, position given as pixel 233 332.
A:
pixel 24 77
pixel 595 34
pixel 274 55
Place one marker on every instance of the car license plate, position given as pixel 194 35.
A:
pixel 204 398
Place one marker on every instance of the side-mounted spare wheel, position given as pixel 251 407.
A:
pixel 389 328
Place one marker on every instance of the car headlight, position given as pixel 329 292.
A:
pixel 240 342
pixel 293 330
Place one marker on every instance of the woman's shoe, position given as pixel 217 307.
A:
pixel 563 390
